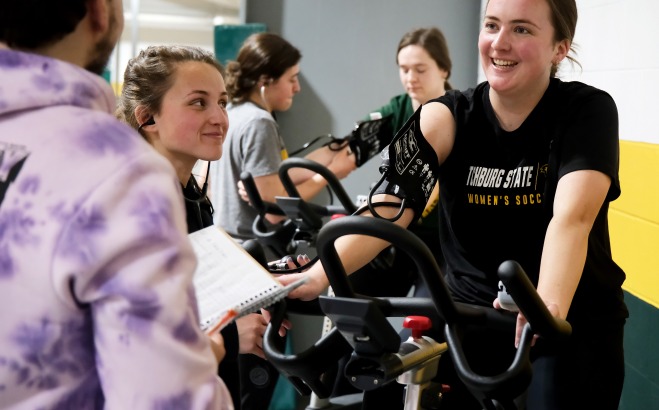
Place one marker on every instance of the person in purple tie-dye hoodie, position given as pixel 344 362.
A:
pixel 97 305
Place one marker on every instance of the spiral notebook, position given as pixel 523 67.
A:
pixel 228 282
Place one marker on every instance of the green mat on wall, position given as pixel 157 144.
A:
pixel 229 38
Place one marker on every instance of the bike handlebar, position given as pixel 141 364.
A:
pixel 261 206
pixel 304 369
pixel 323 171
pixel 508 384
pixel 532 307
pixel 399 238
pixel 304 218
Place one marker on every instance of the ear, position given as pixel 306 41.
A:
pixel 142 115
pixel 562 50
pixel 98 12
pixel 443 73
pixel 265 80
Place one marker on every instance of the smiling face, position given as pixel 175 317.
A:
pixel 420 75
pixel 279 93
pixel 192 121
pixel 517 46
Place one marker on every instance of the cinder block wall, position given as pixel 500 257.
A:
pixel 618 48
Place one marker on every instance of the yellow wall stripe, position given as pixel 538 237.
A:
pixel 639 177
pixel 634 220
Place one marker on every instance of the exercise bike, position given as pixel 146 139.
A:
pixel 303 219
pixel 300 230
pixel 378 357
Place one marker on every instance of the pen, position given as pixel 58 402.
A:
pixel 230 315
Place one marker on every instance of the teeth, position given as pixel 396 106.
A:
pixel 503 62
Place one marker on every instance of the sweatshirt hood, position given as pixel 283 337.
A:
pixel 31 81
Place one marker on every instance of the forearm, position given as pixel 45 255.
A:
pixel 311 187
pixel 274 218
pixel 356 251
pixel 323 156
pixel 300 175
pixel 562 264
pixel 269 187
pixel 578 200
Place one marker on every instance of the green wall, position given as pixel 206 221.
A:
pixel 641 390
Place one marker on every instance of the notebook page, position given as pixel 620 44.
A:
pixel 226 275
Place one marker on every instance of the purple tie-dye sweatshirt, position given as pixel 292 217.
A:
pixel 96 305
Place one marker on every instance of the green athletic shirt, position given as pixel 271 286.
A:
pixel 400 109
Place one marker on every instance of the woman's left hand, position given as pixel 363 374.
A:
pixel 521 320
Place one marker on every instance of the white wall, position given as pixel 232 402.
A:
pixel 618 47
pixel 164 22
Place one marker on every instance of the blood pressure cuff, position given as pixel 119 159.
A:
pixel 369 137
pixel 409 166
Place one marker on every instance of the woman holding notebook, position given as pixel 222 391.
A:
pixel 176 98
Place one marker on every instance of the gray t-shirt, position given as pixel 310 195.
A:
pixel 253 144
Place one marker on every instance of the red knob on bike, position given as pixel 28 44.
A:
pixel 418 324
pixel 337 216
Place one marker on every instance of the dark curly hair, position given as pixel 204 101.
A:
pixel 30 24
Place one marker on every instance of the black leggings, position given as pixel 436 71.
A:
pixel 585 373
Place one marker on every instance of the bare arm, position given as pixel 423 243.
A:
pixel 579 197
pixel 324 156
pixel 340 164
pixel 355 251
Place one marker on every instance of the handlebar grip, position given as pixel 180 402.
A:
pixel 255 199
pixel 329 176
pixel 527 299
pixel 252 192
pixel 400 238
pixel 304 369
